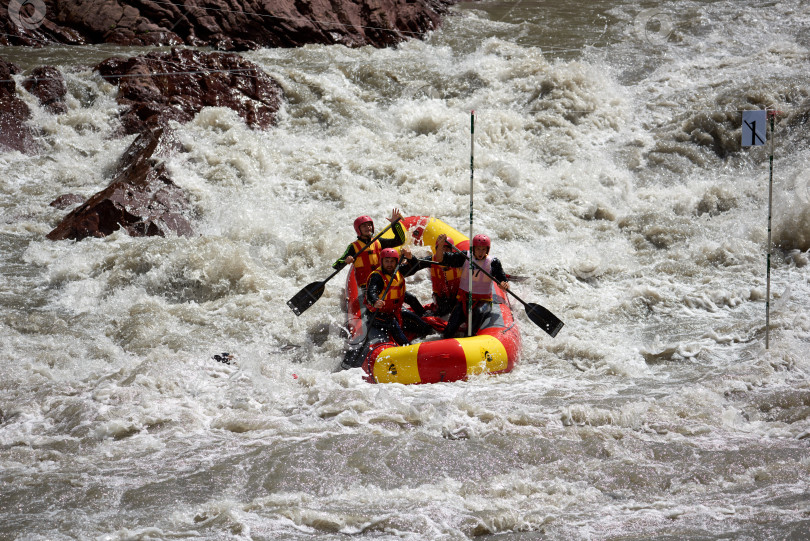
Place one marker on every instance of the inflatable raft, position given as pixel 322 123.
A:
pixel 493 350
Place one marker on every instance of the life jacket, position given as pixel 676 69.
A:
pixel 445 280
pixel 366 262
pixel 395 296
pixel 481 285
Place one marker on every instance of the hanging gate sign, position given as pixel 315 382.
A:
pixel 754 124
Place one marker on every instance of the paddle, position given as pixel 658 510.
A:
pixel 354 354
pixel 312 292
pixel 510 277
pixel 541 316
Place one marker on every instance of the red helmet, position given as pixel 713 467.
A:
pixel 481 240
pixel 389 252
pixel 363 220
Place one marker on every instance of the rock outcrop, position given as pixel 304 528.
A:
pixel 142 199
pixel 48 85
pixel 226 25
pixel 67 200
pixel 159 87
pixel 14 132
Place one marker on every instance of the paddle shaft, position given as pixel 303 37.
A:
pixel 509 277
pixel 312 292
pixel 477 266
pixel 372 241
pixel 323 282
pixel 550 323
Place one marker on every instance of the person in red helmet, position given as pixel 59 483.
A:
pixel 370 258
pixel 444 279
pixel 387 311
pixel 481 283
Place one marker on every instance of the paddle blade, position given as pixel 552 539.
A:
pixel 306 297
pixel 544 319
pixel 353 358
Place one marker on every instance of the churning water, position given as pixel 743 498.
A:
pixel 608 172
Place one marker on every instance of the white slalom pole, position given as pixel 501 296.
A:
pixel 755 133
pixel 470 273
pixel 772 114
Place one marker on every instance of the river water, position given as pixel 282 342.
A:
pixel 608 173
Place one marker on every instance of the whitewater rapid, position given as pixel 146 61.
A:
pixel 606 173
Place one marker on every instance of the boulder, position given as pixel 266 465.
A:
pixel 14 132
pixel 158 87
pixel 142 199
pixel 67 200
pixel 48 85
pixel 223 24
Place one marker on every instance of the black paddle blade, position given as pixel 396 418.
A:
pixel 544 319
pixel 306 297
pixel 353 357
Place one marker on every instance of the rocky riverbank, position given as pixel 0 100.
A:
pixel 232 25
pixel 160 87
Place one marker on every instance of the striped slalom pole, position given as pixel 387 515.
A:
pixel 472 175
pixel 755 133
pixel 772 114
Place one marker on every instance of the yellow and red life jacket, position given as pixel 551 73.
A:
pixel 445 280
pixel 366 262
pixel 396 293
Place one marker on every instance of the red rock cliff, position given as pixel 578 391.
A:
pixel 228 25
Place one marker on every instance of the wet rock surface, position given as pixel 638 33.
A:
pixel 159 87
pixel 15 134
pixel 66 201
pixel 142 199
pixel 236 25
pixel 48 85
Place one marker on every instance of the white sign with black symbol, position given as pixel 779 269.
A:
pixel 753 128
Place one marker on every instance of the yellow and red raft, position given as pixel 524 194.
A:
pixel 495 349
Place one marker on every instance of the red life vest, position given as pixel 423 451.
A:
pixel 366 262
pixel 445 280
pixel 395 296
